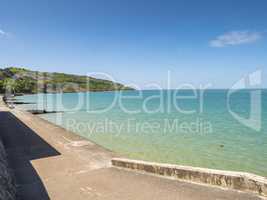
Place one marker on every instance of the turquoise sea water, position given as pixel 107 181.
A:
pixel 154 125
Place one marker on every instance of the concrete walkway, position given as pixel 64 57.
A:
pixel 52 163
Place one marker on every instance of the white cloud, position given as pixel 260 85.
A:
pixel 3 33
pixel 236 38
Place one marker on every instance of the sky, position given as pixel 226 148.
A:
pixel 140 42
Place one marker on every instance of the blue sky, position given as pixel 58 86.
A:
pixel 138 41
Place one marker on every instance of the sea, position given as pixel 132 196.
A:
pixel 218 129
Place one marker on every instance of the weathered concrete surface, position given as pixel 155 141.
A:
pixel 7 181
pixel 52 163
pixel 232 180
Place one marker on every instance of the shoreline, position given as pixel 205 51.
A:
pixel 237 180
pixel 75 149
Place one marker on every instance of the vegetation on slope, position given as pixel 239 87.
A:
pixel 20 80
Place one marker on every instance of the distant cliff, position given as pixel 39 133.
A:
pixel 20 80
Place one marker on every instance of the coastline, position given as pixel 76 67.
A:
pixel 211 138
pixel 81 159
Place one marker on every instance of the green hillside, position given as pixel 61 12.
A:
pixel 20 80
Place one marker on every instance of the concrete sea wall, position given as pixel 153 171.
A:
pixel 7 183
pixel 233 180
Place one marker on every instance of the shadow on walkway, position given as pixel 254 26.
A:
pixel 22 145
